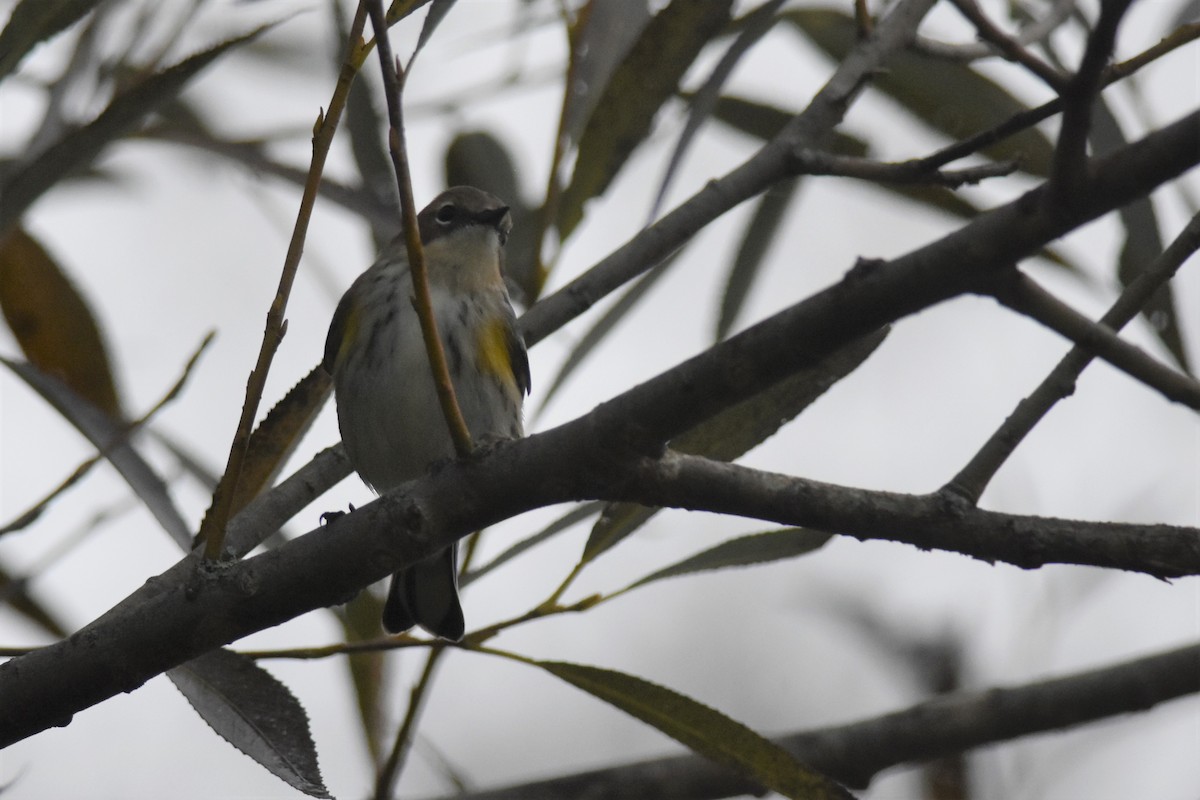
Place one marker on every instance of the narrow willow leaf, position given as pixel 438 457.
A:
pixel 360 622
pixel 764 224
pixel 599 332
pixel 755 26
pixel 276 437
pixel 14 593
pixel 600 38
pixel 1143 241
pixel 701 728
pixel 255 713
pixel 764 121
pixel 733 432
pixel 573 517
pixel 33 22
pixel 645 80
pixel 366 127
pixel 110 439
pixel 949 97
pixel 480 159
pixel 53 323
pixel 79 148
pixel 438 10
pixel 744 551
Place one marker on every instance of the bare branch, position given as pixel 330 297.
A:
pixel 1060 383
pixel 1070 157
pixel 1023 294
pixel 819 162
pixel 1034 33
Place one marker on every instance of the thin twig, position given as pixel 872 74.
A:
pixel 393 87
pixel 385 782
pixel 1035 32
pixel 1009 47
pixel 970 482
pixel 818 162
pixel 1183 35
pixel 212 529
pixel 1023 294
pixel 1070 168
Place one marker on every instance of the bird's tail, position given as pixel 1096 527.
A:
pixel 426 594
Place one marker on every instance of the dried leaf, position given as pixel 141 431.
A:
pixel 276 437
pixel 255 713
pixel 53 323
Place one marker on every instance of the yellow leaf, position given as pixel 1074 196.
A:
pixel 52 321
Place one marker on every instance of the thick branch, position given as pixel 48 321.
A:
pixel 855 753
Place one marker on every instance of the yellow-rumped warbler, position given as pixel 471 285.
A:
pixel 388 411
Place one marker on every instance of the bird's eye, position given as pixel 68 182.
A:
pixel 445 214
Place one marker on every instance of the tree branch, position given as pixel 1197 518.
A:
pixel 1022 294
pixel 1060 383
pixel 930 522
pixel 855 753
pixel 1069 175
pixel 596 456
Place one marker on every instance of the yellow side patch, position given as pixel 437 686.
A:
pixel 494 357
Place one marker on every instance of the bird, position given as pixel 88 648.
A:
pixel 388 411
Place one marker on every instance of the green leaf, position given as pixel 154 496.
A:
pixel 949 97
pixel 360 623
pixel 705 730
pixel 733 432
pixel 744 551
pixel 755 26
pixel 80 147
pixel 599 332
pixel 433 18
pixel 366 127
pixel 480 159
pixel 768 216
pixel 763 121
pixel 1143 242
pixel 645 80
pixel 573 517
pixel 33 22
pixel 255 713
